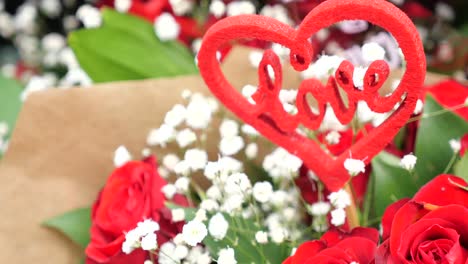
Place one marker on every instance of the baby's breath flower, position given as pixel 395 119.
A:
pixel 281 164
pixel 249 130
pixel 169 190
pixel 142 236
pixel 181 7
pixel 251 150
pixel 90 16
pixel 182 168
pixel 227 256
pixel 408 162
pixel 217 8
pixel 354 166
pixel 339 199
pixel 333 137
pixel 166 253
pixel 122 6
pixel 199 255
pixel 166 27
pixel 161 136
pixel 200 215
pixel 194 232
pixel 149 242
pixel 358 77
pixel 233 203
pixel 242 7
pixel 364 113
pixel 218 226
pixel 419 107
pixel 338 217
pixel 199 112
pixel 178 214
pixel 261 237
pixel 170 161
pixel 182 184
pixel 262 191
pixel 231 145
pixel 175 116
pixel 196 158
pixel 209 205
pixel 323 67
pixel 181 251
pixel 238 183
pixel 455 145
pixel 121 156
pixel 229 128
pixel 186 137
pixel 319 208
pixel 278 236
pixel 372 52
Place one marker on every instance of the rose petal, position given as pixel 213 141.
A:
pixel 450 93
pixel 388 216
pixel 305 251
pixel 464 144
pixel 443 190
pixel 435 234
pixel 412 236
pixel 361 249
pixel 455 214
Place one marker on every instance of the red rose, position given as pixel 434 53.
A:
pixel 464 144
pixel 338 247
pixel 430 228
pixel 132 193
pixel 450 93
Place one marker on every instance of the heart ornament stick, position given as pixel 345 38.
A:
pixel 267 114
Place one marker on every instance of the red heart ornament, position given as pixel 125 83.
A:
pixel 267 114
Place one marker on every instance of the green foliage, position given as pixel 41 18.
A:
pixel 125 47
pixel 10 102
pixel 241 237
pixel 461 168
pixel 391 181
pixel 74 224
pixel 432 141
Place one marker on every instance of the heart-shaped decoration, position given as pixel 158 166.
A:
pixel 267 114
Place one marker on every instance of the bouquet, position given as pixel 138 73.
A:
pixel 362 169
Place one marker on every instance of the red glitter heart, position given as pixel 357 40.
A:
pixel 268 115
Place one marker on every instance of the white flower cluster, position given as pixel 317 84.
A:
pixel 340 200
pixel 281 164
pixel 143 236
pixel 177 251
pixel 196 115
pixel 354 166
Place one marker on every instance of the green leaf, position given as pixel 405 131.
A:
pixel 126 48
pixel 464 29
pixel 241 237
pixel 189 211
pixel 432 140
pixel 10 102
pixel 391 181
pixel 74 224
pixel 461 168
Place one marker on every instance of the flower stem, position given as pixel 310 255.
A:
pixel 450 164
pixel 351 211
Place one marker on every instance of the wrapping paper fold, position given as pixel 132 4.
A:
pixel 62 148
